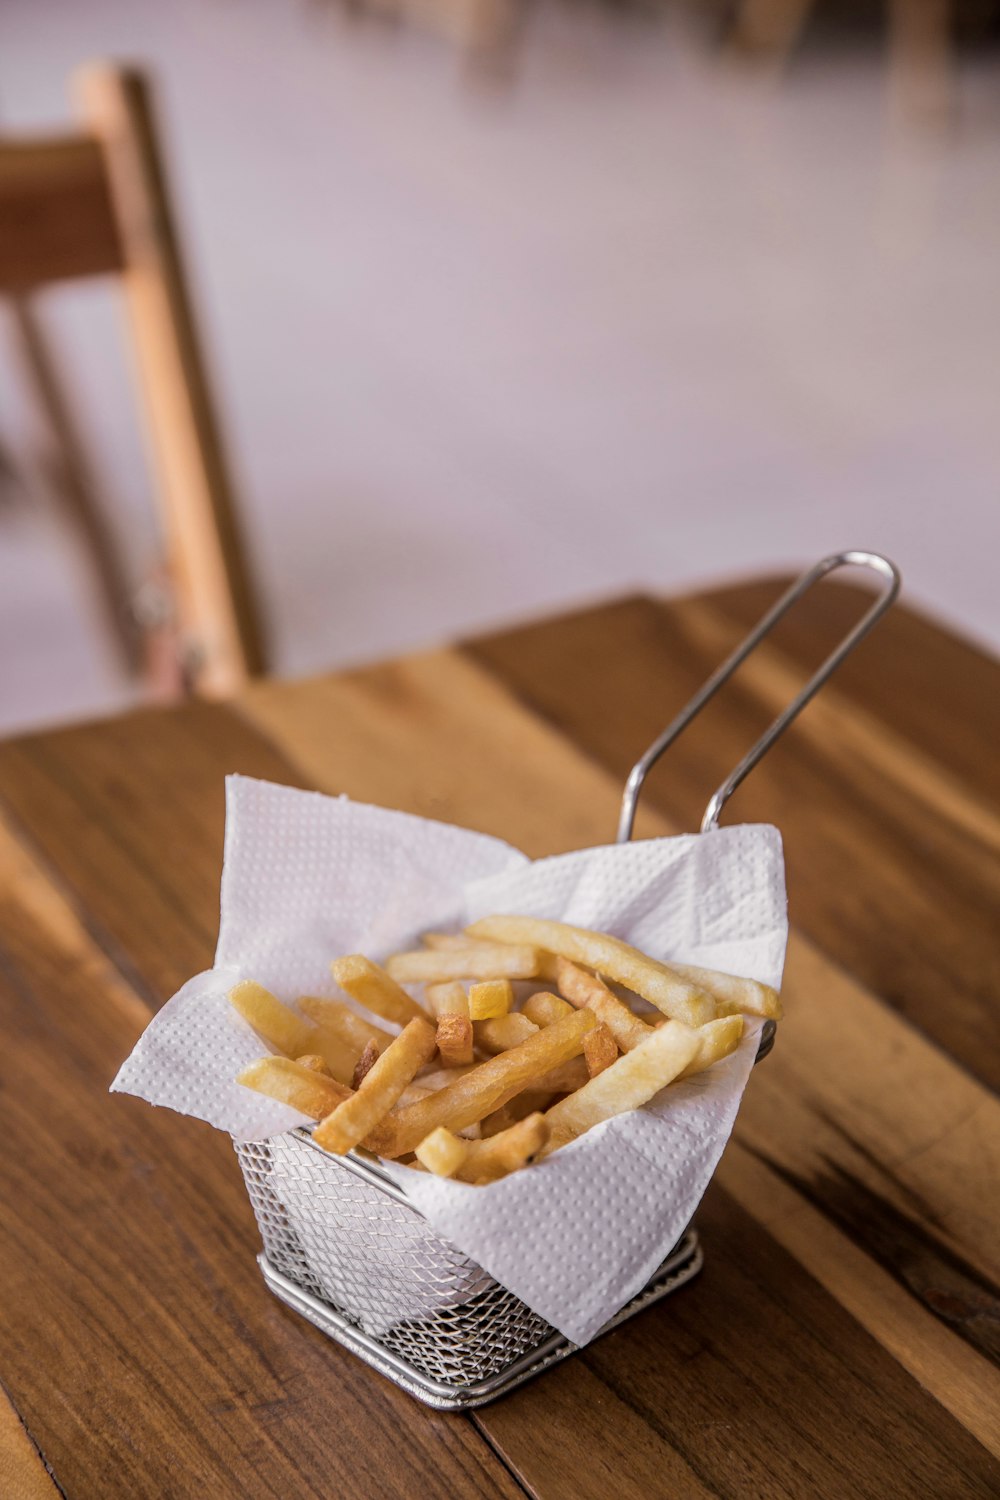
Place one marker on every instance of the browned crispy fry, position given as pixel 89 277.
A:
pixel 454 1040
pixel 295 1084
pixel 627 1084
pixel 503 1032
pixel 352 1120
pixel 476 961
pixel 600 1050
pixel 315 1063
pixel 581 989
pixel 485 1088
pixel 609 956
pixel 345 1023
pixel 716 1039
pixel 365 1063
pixel 373 988
pixel 732 995
pixel 544 1008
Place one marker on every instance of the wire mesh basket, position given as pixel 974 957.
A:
pixel 345 1247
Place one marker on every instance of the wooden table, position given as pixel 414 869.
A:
pixel 843 1337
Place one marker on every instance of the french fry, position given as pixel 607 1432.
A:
pixel 566 1077
pixel 485 1088
pixel 600 1049
pixel 316 1064
pixel 433 1078
pixel 442 1153
pixel 734 996
pixel 609 956
pixel 296 1084
pixel 352 1120
pixel 716 1039
pixel 528 1102
pixel 445 941
pixel 627 1084
pixel 373 988
pixel 490 998
pixel 503 1032
pixel 365 1063
pixel 581 988
pixel 454 1040
pixel 272 1020
pixel 476 961
pixel 544 1008
pixel 335 1016
pixel 447 999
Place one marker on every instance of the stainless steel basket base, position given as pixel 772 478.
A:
pixel 684 1262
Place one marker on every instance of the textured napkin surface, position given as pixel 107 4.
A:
pixel 309 877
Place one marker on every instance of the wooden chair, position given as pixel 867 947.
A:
pixel 92 203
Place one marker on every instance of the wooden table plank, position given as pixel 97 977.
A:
pixel 440 736
pixel 22 1472
pixel 138 1343
pixel 879 877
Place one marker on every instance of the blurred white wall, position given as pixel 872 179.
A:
pixel 639 321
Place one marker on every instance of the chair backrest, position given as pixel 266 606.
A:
pixel 95 202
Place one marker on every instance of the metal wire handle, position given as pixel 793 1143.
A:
pixel 642 767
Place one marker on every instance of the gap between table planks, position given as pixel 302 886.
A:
pixel 520 780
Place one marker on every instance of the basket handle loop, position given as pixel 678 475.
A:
pixel 637 776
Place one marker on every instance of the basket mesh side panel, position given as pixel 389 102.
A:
pixel 379 1263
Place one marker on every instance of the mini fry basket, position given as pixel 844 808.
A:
pixel 344 1246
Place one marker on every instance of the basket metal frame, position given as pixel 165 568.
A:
pixel 685 1259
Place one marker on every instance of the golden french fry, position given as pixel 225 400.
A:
pixel 441 1152
pixel 732 995
pixel 490 998
pixel 507 1151
pixel 272 1020
pixel 454 1040
pixel 503 1032
pixel 627 1084
pixel 345 1023
pixel 484 1088
pixel 375 989
pixel 433 1078
pixel 365 1063
pixel 445 941
pixel 544 1008
pixel 716 1039
pixel 600 1049
pixel 618 961
pixel 294 1083
pixel 314 1063
pixel 581 988
pixel 351 1121
pixel 447 999
pixel 477 961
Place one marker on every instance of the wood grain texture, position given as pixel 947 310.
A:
pixel 22 1471
pixel 842 1338
pixel 897 888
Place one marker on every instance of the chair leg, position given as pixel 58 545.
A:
pixel 70 475
pixel 767 29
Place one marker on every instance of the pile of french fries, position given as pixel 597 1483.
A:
pixel 481 1079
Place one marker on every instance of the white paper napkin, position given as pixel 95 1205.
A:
pixel 309 877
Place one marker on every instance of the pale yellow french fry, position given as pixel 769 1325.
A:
pixel 454 1040
pixel 734 996
pixel 503 1032
pixel 716 1039
pixel 272 1020
pixel 375 989
pixel 581 988
pixel 490 998
pixel 544 1008
pixel 443 941
pixel 477 961
pixel 484 1088
pixel 315 1063
pixel 609 956
pixel 441 1152
pixel 352 1121
pixel 345 1023
pixel 627 1084
pixel 447 999
pixel 433 1078
pixel 296 1084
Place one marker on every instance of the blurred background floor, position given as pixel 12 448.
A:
pixel 636 319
